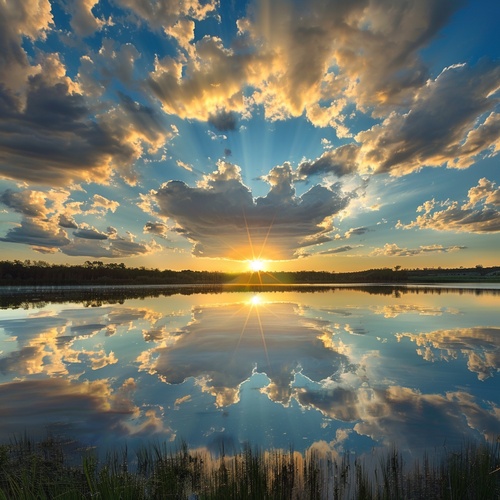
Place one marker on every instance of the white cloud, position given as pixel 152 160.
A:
pixel 83 21
pixel 440 126
pixel 480 214
pixel 101 205
pixel 393 250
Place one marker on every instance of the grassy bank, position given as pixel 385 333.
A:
pixel 42 470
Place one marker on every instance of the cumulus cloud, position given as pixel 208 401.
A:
pixel 215 79
pixel 480 214
pixel 83 21
pixel 30 203
pixel 46 344
pixel 394 310
pixel 166 13
pixel 94 244
pixel 112 61
pixel 46 215
pixel 393 250
pixel 52 140
pixel 295 58
pixel 441 127
pixel 67 222
pixel 141 124
pixel 485 192
pixel 338 403
pixel 223 120
pixel 340 161
pixel 38 233
pixel 157 228
pixel 31 19
pixel 49 132
pixel 221 217
pixel 101 205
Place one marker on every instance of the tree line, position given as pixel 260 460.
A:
pixel 37 273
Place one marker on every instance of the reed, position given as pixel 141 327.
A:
pixel 46 470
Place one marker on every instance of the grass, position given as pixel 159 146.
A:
pixel 44 470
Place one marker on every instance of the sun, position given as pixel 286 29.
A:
pixel 256 265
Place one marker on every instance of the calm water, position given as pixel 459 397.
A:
pixel 336 368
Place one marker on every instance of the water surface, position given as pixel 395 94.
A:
pixel 337 368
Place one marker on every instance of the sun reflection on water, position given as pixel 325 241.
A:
pixel 256 300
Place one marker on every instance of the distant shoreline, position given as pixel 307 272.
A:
pixel 97 273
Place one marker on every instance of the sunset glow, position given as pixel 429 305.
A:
pixel 201 134
pixel 256 265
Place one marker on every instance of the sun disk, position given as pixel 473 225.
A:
pixel 256 265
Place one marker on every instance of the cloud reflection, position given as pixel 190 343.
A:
pixel 223 346
pixel 480 346
pixel 206 365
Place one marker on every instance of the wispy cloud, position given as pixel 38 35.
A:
pixel 393 250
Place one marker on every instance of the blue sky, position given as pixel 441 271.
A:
pixel 335 135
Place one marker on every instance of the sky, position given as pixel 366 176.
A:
pixel 206 134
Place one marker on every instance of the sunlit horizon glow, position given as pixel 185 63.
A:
pixel 257 265
pixel 203 135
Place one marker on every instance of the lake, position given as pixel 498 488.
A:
pixel 333 368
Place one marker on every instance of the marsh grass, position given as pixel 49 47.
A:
pixel 45 470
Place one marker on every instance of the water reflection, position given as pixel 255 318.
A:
pixel 341 369
pixel 224 345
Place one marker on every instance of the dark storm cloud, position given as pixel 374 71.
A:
pixel 223 219
pixel 223 120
